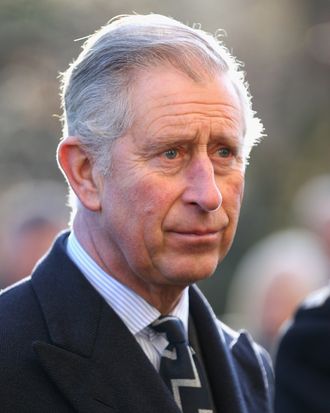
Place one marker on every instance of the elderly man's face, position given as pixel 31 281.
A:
pixel 171 203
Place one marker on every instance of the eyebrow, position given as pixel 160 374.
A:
pixel 169 140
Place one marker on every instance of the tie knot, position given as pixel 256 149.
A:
pixel 172 327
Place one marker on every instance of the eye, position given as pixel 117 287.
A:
pixel 224 152
pixel 171 153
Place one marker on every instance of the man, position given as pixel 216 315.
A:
pixel 157 130
pixel 302 362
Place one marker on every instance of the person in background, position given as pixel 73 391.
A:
pixel 311 208
pixel 272 279
pixel 303 355
pixel 302 362
pixel 157 130
pixel 31 214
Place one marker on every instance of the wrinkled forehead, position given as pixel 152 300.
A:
pixel 169 92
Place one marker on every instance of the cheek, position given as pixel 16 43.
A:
pixel 150 200
pixel 149 206
pixel 232 193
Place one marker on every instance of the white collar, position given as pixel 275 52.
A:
pixel 134 311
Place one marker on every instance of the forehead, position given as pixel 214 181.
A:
pixel 167 98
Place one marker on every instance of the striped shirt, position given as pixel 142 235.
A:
pixel 133 310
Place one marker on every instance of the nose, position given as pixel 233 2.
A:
pixel 201 188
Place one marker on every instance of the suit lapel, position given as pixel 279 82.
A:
pixel 124 367
pixel 73 375
pixel 236 371
pixel 250 365
pixel 224 383
pixel 117 377
pixel 91 356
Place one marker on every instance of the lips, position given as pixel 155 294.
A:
pixel 195 235
pixel 198 232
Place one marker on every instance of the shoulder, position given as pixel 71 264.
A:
pixel 311 321
pixel 20 315
pixel 316 307
pixel 308 334
pixel 21 323
pixel 242 342
pixel 15 300
pixel 250 361
pixel 302 370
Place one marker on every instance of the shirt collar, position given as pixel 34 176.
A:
pixel 134 311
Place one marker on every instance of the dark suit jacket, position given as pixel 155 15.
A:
pixel 63 349
pixel 303 360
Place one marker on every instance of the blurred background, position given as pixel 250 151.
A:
pixel 285 46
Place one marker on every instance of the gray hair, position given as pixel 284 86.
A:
pixel 96 87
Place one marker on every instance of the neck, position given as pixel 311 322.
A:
pixel 163 297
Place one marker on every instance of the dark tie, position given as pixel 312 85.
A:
pixel 180 369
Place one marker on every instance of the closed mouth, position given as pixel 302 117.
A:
pixel 196 232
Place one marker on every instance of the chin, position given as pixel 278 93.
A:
pixel 186 276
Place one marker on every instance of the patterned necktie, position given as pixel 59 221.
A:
pixel 180 369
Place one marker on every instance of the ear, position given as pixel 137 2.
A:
pixel 80 172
